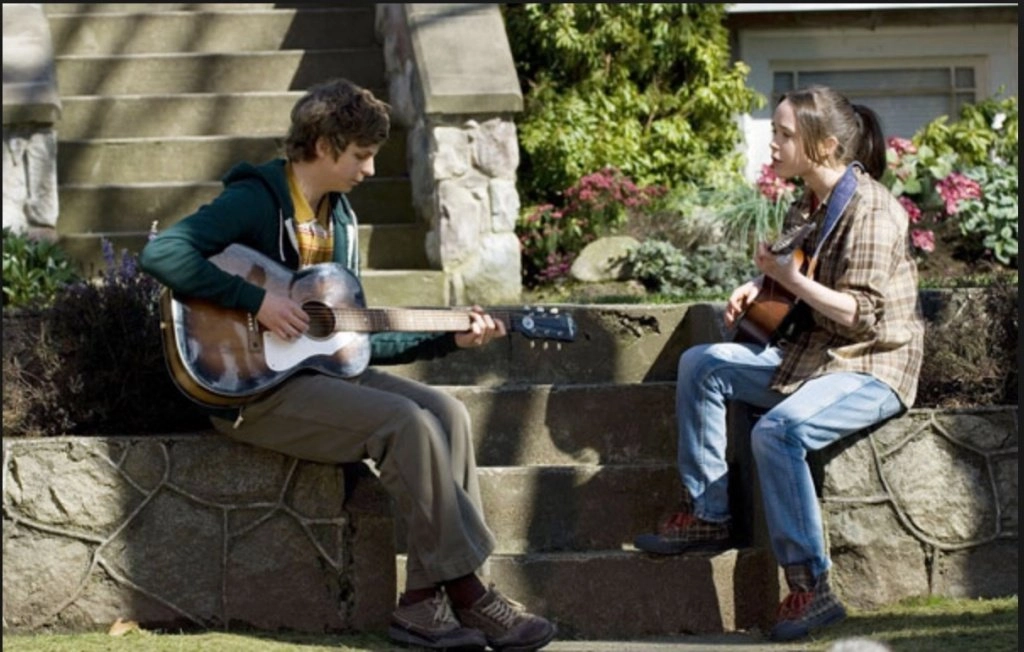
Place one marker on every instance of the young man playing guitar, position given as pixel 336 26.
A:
pixel 294 211
pixel 854 361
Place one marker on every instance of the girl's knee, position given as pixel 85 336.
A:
pixel 769 433
pixel 692 361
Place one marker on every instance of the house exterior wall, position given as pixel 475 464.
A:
pixel 769 37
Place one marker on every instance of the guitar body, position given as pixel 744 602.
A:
pixel 763 317
pixel 772 312
pixel 221 357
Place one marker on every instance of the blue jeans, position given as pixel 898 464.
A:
pixel 823 410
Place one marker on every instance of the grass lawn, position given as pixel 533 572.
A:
pixel 933 625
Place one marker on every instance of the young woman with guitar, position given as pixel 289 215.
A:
pixel 849 361
pixel 265 282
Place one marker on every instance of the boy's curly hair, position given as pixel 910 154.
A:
pixel 339 111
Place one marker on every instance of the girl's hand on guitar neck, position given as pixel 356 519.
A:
pixel 784 269
pixel 282 316
pixel 483 328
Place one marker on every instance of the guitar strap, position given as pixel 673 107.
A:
pixel 837 203
pixel 799 317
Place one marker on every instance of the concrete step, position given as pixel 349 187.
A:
pixel 572 424
pixel 534 509
pixel 617 344
pixel 159 74
pixel 419 287
pixel 578 507
pixel 189 114
pixel 382 247
pixel 211 29
pixel 169 159
pixel 61 8
pixel 617 594
pixel 131 209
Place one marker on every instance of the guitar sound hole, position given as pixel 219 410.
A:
pixel 321 320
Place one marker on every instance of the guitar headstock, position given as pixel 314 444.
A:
pixel 543 324
pixel 790 240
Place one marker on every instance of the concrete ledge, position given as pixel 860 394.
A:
pixel 190 531
pixel 463 58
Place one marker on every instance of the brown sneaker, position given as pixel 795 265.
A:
pixel 682 532
pixel 506 623
pixel 431 624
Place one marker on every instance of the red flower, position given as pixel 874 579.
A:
pixel 912 210
pixel 955 188
pixel 923 239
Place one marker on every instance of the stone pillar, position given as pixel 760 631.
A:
pixel 453 86
pixel 31 109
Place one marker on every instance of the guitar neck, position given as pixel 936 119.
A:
pixel 370 320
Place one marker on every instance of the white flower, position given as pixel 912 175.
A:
pixel 998 120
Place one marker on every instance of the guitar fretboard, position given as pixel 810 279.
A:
pixel 369 320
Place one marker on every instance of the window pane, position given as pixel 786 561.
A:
pixel 965 77
pixel 902 116
pixel 905 99
pixel 962 100
pixel 783 82
pixel 875 80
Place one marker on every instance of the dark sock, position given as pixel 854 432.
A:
pixel 413 596
pixel 464 591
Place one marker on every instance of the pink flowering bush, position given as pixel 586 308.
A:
pixel 598 204
pixel 774 187
pixel 958 183
pixel 940 196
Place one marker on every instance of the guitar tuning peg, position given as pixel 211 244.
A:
pixel 545 346
pixel 558 346
pixel 533 344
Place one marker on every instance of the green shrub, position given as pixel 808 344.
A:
pixel 34 270
pixel 709 271
pixel 985 133
pixel 989 222
pixel 92 362
pixel 647 87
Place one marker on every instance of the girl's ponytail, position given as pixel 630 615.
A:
pixel 871 144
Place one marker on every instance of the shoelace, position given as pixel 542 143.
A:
pixel 678 520
pixel 794 605
pixel 503 610
pixel 442 611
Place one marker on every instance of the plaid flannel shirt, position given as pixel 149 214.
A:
pixel 867 256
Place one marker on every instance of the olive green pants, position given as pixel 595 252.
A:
pixel 420 440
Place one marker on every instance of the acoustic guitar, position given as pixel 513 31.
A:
pixel 221 357
pixel 774 308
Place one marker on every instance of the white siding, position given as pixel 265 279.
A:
pixel 991 48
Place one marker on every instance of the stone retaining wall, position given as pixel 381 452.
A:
pixel 926 504
pixel 190 531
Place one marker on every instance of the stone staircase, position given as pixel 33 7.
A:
pixel 159 100
pixel 577 453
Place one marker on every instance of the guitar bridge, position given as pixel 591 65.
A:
pixel 253 340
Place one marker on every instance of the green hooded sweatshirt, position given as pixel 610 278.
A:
pixel 255 210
